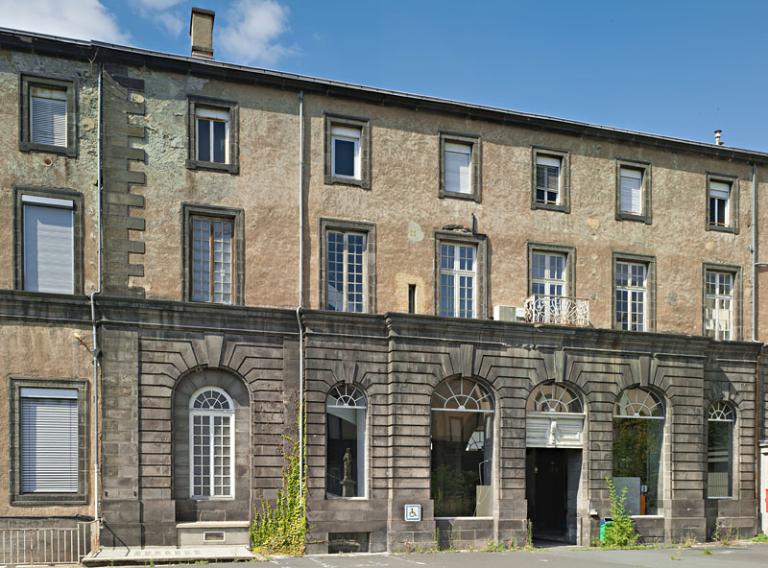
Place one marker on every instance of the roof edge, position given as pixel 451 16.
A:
pixel 90 50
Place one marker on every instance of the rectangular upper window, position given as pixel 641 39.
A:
pixel 48 244
pixel 457 159
pixel 548 179
pixel 48 121
pixel 212 135
pixel 460 166
pixel 49 439
pixel 212 258
pixel 347 151
pixel 719 304
pixel 631 187
pixel 457 280
pixel 48 115
pixel 633 191
pixel 548 274
pixel 719 203
pixel 347 266
pixel 631 296
pixel 346 271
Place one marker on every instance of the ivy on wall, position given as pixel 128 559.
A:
pixel 281 528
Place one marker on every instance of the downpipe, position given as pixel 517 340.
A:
pixel 301 293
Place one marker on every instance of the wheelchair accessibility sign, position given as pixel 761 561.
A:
pixel 413 513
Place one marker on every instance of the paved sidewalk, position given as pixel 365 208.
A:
pixel 714 556
pixel 746 556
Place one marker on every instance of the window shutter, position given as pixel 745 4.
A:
pixel 48 121
pixel 49 248
pixel 49 442
pixel 631 187
pixel 719 190
pixel 548 161
pixel 458 165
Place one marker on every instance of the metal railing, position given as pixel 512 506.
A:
pixel 43 545
pixel 557 310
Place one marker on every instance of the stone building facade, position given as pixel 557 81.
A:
pixel 527 404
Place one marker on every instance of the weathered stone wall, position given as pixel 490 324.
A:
pixel 404 205
pixel 32 346
pixel 155 349
pixel 400 368
pixel 39 170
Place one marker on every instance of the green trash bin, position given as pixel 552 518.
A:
pixel 604 523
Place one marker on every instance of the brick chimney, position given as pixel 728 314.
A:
pixel 201 32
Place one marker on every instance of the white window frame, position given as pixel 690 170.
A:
pixel 345 268
pixel 721 191
pixel 716 298
pixel 347 134
pixel 212 115
pixel 465 149
pixel 641 190
pixel 548 281
pixel 193 412
pixel 549 161
pixel 456 273
pixel 211 219
pixel 629 289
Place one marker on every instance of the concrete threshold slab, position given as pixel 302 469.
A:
pixel 125 555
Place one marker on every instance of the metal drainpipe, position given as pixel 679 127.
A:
pixel 94 334
pixel 754 253
pixel 301 293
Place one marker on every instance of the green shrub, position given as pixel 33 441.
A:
pixel 282 528
pixel 621 532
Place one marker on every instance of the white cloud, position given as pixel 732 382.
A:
pixel 158 4
pixel 173 24
pixel 160 12
pixel 81 19
pixel 251 30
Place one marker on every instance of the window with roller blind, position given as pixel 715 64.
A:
pixel 48 241
pixel 550 186
pixel 722 203
pixel 347 151
pixel 48 115
pixel 49 450
pixel 460 166
pixel 633 192
pixel 213 135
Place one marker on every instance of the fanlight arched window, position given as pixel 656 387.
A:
pixel 720 441
pixel 639 403
pixel 638 438
pixel 462 444
pixel 554 397
pixel 554 417
pixel 345 470
pixel 211 444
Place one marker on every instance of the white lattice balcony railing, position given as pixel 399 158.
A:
pixel 557 310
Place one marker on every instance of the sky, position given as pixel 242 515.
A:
pixel 678 68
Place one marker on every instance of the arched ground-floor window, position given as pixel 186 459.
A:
pixel 345 469
pixel 462 449
pixel 638 438
pixel 720 433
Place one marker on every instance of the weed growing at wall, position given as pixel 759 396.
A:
pixel 621 532
pixel 282 528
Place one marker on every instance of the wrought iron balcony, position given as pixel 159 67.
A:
pixel 557 310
